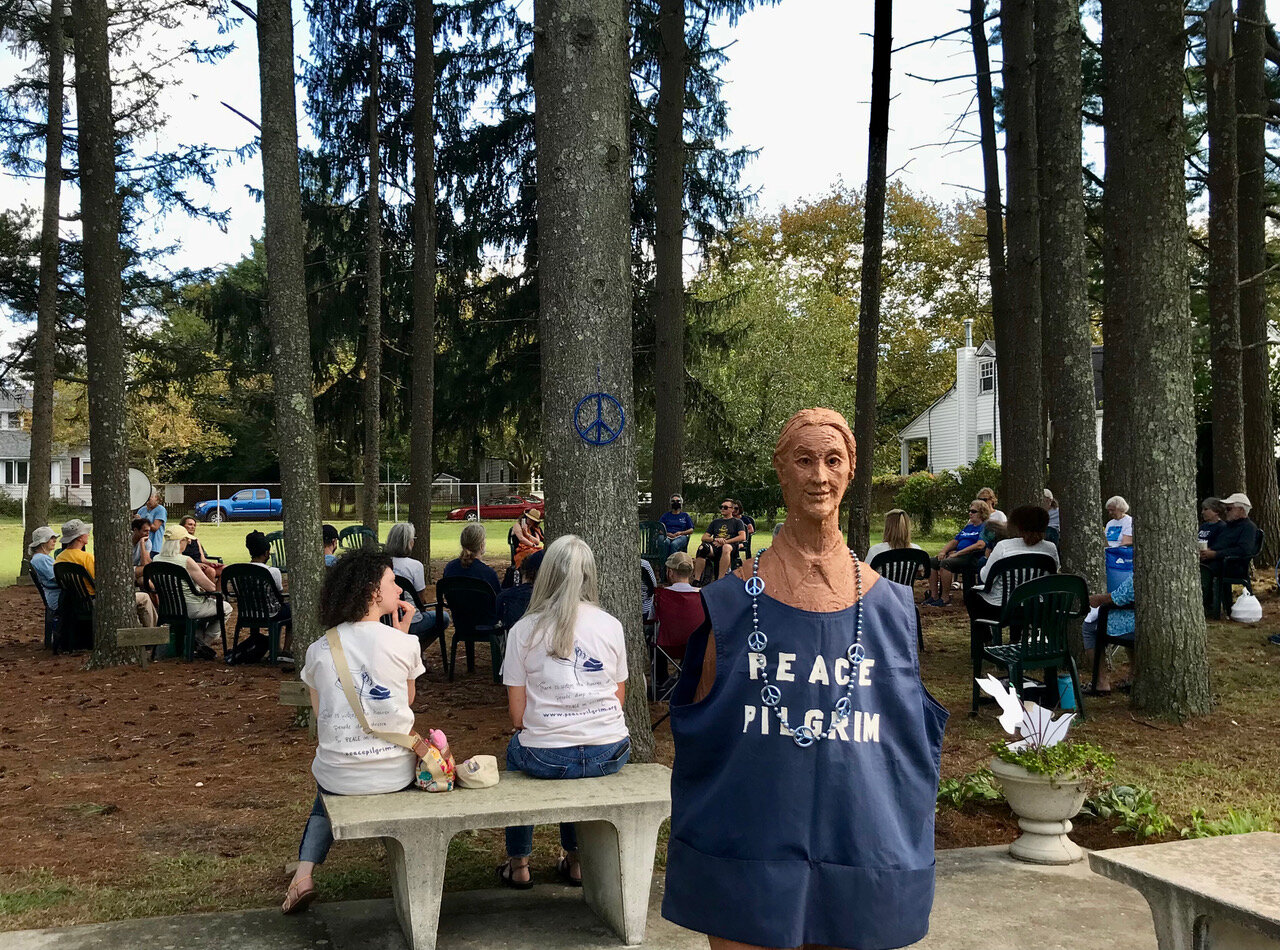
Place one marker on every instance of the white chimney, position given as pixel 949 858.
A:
pixel 968 333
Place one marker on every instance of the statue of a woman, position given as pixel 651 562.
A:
pixel 807 749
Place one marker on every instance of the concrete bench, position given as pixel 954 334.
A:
pixel 1206 893
pixel 618 817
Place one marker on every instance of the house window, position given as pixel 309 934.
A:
pixel 15 472
pixel 984 439
pixel 86 472
pixel 987 376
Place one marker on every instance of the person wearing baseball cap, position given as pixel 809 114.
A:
pixel 1238 538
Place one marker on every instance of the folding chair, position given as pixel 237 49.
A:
pixel 679 614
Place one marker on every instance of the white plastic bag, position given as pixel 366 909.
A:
pixel 1246 609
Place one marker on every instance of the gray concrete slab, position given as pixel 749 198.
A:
pixel 985 901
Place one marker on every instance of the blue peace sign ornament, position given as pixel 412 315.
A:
pixel 755 586
pixel 856 654
pixel 599 419
pixel 757 641
pixel 771 695
pixel 803 736
pixel 844 707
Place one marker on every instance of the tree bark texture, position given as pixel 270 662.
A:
pixel 1149 227
pixel 37 503
pixel 864 421
pixel 1066 340
pixel 104 335
pixel 1119 463
pixel 583 93
pixel 373 297
pixel 1259 429
pixel 424 281
pixel 287 321
pixel 1021 393
pixel 1021 482
pixel 668 160
pixel 1224 264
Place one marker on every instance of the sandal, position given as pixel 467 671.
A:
pixel 565 870
pixel 299 897
pixel 506 872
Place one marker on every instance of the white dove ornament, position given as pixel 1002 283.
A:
pixel 1037 725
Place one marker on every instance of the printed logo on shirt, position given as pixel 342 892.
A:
pixel 582 662
pixel 1113 532
pixel 369 691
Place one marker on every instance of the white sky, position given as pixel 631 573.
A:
pixel 797 83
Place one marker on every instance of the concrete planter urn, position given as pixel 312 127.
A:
pixel 1045 806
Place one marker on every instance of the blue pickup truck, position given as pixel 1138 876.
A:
pixel 250 504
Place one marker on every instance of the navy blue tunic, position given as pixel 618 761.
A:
pixel 779 846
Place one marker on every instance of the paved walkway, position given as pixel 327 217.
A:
pixel 985 901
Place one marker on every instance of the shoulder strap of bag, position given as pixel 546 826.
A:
pixel 349 689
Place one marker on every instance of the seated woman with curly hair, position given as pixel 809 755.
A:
pixel 384 662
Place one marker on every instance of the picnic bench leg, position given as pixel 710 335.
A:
pixel 617 871
pixel 417 880
pixel 1178 925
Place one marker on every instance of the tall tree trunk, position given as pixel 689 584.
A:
pixel 1021 482
pixel 1021 395
pixel 104 334
pixel 864 417
pixel 373 295
pixel 1066 340
pixel 1149 227
pixel 1259 427
pixel 424 280
pixel 584 284
pixel 1224 264
pixel 37 504
pixel 668 252
pixel 1119 463
pixel 287 321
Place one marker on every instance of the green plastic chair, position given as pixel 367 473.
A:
pixel 170 582
pixel 651 548
pixel 355 537
pixel 276 540
pixel 1042 609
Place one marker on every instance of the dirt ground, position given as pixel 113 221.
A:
pixel 130 792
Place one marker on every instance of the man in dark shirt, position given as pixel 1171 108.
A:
pixel 676 528
pixel 718 543
pixel 1238 538
pixel 513 602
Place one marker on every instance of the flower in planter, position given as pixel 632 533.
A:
pixel 1038 727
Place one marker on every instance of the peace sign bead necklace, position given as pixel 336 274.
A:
pixel 770 694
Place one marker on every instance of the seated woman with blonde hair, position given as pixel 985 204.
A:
pixel 897 534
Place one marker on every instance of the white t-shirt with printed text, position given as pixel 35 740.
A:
pixel 382 661
pixel 410 568
pixel 570 701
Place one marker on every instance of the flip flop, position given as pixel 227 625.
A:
pixel 564 870
pixel 299 898
pixel 505 876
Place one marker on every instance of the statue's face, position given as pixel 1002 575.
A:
pixel 814 472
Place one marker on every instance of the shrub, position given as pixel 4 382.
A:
pixel 1134 808
pixel 916 498
pixel 976 786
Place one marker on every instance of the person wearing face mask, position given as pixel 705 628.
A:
pixel 676 528
pixel 807 750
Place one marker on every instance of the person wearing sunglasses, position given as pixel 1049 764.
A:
pixel 962 553
pixel 676 528
pixel 718 543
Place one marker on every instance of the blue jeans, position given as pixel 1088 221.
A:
pixel 424 628
pixel 578 761
pixel 317 836
pixel 670 546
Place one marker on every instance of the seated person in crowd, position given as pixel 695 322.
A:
pixel 1055 517
pixel 1238 538
pixel 1120 623
pixel 1212 520
pixel 141 547
pixel 680 573
pixel 203 609
pixel 1120 527
pixel 75 540
pixel 155 514
pixel 195 550
pixel 400 541
pixel 527 532
pixel 962 553
pixel 897 534
pixel 748 524
pixel 1028 523
pixel 513 602
pixel 259 548
pixel 997 517
pixel 648 584
pixel 329 537
pixel 468 563
pixel 718 542
pixel 676 527
pixel 43 541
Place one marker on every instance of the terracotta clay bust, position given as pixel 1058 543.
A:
pixel 809 566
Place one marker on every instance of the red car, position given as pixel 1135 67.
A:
pixel 509 507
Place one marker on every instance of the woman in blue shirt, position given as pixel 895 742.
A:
pixel 43 541
pixel 676 526
pixel 1212 513
pixel 468 563
pixel 962 553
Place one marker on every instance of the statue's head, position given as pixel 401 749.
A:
pixel 814 459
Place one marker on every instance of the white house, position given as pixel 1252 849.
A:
pixel 70 470
pixel 967 416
